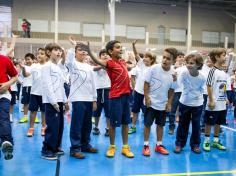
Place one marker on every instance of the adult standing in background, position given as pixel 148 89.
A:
pixel 26 27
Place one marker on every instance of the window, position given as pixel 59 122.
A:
pixel 66 27
pixel 210 37
pixel 227 34
pixel 5 21
pixel 178 35
pixel 120 30
pixel 135 32
pixel 92 30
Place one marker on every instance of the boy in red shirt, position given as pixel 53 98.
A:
pixel 7 70
pixel 119 95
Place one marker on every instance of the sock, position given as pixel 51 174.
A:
pixel 207 138
pixel 125 145
pixel 216 139
pixel 11 117
pixel 133 126
pixel 26 116
pixel 146 143
pixel 113 146
pixel 159 142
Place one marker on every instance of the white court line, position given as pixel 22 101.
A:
pixel 232 129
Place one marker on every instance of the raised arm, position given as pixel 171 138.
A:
pixel 137 57
pixel 101 62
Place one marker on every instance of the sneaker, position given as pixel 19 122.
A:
pixel 196 149
pixel 171 131
pixel 7 149
pixel 126 152
pixel 43 131
pixel 23 120
pixel 93 120
pixel 36 120
pixel 177 149
pixel 161 149
pixel 146 150
pixel 60 152
pixel 111 152
pixel 96 131
pixel 132 130
pixel 49 156
pixel 107 132
pixel 218 145
pixel 206 146
pixel 30 132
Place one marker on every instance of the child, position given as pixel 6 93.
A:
pixel 27 83
pixel 119 96
pixel 179 68
pixel 158 94
pixel 83 96
pixel 215 114
pixel 14 92
pixel 7 70
pixel 36 93
pixel 103 85
pixel 54 98
pixel 138 76
pixel 191 101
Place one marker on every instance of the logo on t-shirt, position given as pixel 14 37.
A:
pixel 222 92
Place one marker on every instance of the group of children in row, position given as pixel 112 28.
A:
pixel 157 88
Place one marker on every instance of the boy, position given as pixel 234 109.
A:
pixel 36 93
pixel 83 96
pixel 27 83
pixel 54 98
pixel 7 70
pixel 119 96
pixel 216 112
pixel 158 94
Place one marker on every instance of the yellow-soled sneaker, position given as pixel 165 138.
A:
pixel 126 152
pixel 111 151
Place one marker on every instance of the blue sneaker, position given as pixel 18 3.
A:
pixel 48 155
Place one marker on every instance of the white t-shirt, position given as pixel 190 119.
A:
pixel 217 79
pixel 205 71
pixel 82 80
pixel 179 71
pixel 27 81
pixel 52 84
pixel 36 73
pixel 102 79
pixel 160 81
pixel 193 88
pixel 139 72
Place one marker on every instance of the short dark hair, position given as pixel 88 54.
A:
pixel 110 45
pixel 49 47
pixel 30 55
pixel 43 49
pixel 173 52
pixel 102 52
pixel 152 57
pixel 197 58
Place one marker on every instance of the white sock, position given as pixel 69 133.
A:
pixel 25 116
pixel 11 118
pixel 159 142
pixel 146 143
pixel 207 138
pixel 216 139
